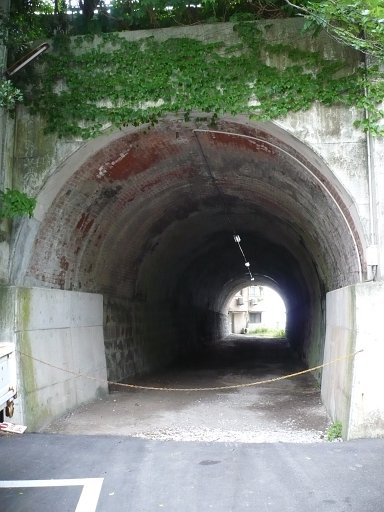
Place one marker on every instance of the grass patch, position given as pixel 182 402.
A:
pixel 334 432
pixel 267 332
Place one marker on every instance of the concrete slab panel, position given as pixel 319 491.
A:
pixel 7 313
pixel 352 388
pixel 87 346
pixel 339 343
pixel 86 309
pixel 53 347
pixel 45 308
pixel 59 336
pixel 367 406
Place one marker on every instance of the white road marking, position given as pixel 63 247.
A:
pixel 88 498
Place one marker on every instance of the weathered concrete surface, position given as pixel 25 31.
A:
pixel 136 216
pixel 377 159
pixel 336 381
pixel 352 389
pixel 283 411
pixel 367 404
pixel 142 475
pixel 6 150
pixel 152 232
pixel 6 181
pixel 65 330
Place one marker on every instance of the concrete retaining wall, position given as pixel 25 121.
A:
pixel 352 388
pixel 339 342
pixel 367 404
pixel 64 329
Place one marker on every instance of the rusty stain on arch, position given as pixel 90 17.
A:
pixel 269 148
pixel 137 167
pixel 135 216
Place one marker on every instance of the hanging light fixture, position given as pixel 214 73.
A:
pixel 236 237
pixel 26 59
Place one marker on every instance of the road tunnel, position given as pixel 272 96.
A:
pixel 147 218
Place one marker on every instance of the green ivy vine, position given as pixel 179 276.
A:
pixel 14 203
pixel 92 82
pixel 9 95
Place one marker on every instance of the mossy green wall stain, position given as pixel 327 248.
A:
pixel 34 414
pixel 34 152
pixel 349 365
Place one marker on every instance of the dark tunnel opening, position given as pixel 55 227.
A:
pixel 148 221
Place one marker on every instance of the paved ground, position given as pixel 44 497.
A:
pixel 130 467
pixel 139 475
pixel 283 411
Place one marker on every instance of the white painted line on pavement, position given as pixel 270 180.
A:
pixel 90 495
pixel 88 498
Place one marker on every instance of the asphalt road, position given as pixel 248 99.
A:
pixel 129 474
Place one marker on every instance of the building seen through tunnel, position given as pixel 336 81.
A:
pixel 129 261
pixel 256 310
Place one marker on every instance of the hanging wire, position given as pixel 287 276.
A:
pixel 221 195
pixel 237 239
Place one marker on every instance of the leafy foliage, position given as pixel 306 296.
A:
pixel 334 432
pixel 358 23
pixel 163 13
pixel 22 25
pixel 91 83
pixel 14 203
pixel 30 20
pixel 9 95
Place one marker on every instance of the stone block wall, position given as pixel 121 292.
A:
pixel 143 337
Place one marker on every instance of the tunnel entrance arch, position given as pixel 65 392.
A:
pixel 256 309
pixel 136 216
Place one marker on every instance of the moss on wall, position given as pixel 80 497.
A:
pixel 34 413
pixel 34 152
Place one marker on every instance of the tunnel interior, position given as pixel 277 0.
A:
pixel 148 221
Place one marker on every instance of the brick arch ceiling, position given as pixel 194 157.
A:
pixel 151 216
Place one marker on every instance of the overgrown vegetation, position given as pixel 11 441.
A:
pixel 90 83
pixel 267 332
pixel 9 95
pixel 112 82
pixel 358 23
pixel 33 19
pixel 334 432
pixel 14 203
